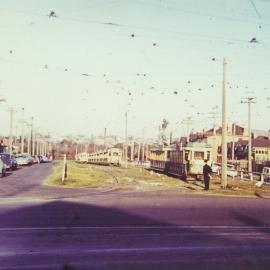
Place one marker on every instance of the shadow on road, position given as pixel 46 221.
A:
pixel 75 236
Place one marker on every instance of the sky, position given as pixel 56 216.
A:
pixel 80 71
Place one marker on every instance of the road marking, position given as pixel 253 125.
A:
pixel 266 227
pixel 128 249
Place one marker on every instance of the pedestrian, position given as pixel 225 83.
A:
pixel 206 174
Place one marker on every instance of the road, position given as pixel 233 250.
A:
pixel 46 227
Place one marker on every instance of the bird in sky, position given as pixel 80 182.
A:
pixel 253 40
pixel 52 14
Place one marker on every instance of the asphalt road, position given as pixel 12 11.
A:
pixel 44 227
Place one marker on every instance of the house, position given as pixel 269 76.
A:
pixel 261 149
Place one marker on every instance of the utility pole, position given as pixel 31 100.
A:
pixel 29 139
pixel 11 111
pixel 233 139
pixel 139 152
pixel 105 134
pixel 32 137
pixel 188 122
pixel 22 135
pixel 126 140
pixel 224 128
pixel 249 101
pixel 213 115
pixel 143 145
pixel 132 151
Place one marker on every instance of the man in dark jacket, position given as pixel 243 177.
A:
pixel 206 175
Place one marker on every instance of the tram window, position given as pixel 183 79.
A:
pixel 115 154
pixel 198 155
pixel 208 155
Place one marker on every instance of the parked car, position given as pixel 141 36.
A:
pixel 216 168
pixel 266 174
pixel 43 159
pixel 2 168
pixel 24 159
pixel 35 159
pixel 9 161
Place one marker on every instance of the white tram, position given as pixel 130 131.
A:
pixel 82 157
pixel 112 156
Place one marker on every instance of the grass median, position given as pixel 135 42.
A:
pixel 140 179
pixel 94 176
pixel 79 175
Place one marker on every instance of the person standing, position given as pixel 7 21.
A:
pixel 206 175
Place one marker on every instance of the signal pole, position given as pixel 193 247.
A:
pixel 224 128
pixel 249 101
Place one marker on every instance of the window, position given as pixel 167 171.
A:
pixel 198 155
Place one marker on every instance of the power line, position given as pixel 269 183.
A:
pixel 115 24
pixel 175 9
pixel 255 8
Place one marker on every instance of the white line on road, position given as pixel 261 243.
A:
pixel 266 227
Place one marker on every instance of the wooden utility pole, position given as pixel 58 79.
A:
pixel 224 128
pixel 249 101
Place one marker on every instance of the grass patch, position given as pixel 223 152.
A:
pixel 140 179
pixel 79 175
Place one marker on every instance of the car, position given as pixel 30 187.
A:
pixel 2 168
pixel 35 159
pixel 24 159
pixel 216 168
pixel 231 171
pixel 266 175
pixel 9 161
pixel 43 159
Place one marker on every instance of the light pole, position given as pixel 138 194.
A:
pixel 224 127
pixel 22 135
pixel 249 101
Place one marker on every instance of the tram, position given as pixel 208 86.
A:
pixel 82 157
pixel 181 161
pixel 112 156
